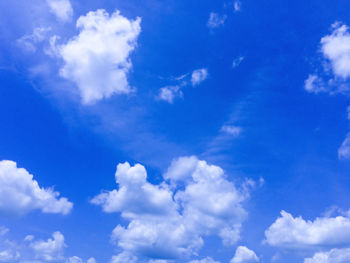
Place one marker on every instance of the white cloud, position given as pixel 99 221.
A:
pixel 124 257
pixel 216 20
pixel 9 256
pixel 332 256
pixel 98 59
pixel 204 260
pixel 29 42
pixel 198 76
pixel 237 6
pixel 170 220
pixel 50 250
pixel 344 149
pixel 20 194
pixel 232 130
pixel 237 61
pixel 336 48
pixel 169 93
pixel 62 9
pixel 76 259
pixel 244 255
pixel 290 232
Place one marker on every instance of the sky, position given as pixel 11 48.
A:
pixel 174 131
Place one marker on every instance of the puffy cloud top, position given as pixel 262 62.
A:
pixel 291 232
pixel 20 193
pixel 170 220
pixel 244 255
pixel 97 60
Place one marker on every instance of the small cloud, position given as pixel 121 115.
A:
pixel 29 42
pixel 237 6
pixel 198 76
pixel 344 149
pixel 232 130
pixel 62 9
pixel 216 20
pixel 237 61
pixel 169 93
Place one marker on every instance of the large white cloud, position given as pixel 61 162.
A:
pixel 62 9
pixel 295 232
pixel 171 220
pixel 332 256
pixel 244 255
pixel 20 193
pixel 98 59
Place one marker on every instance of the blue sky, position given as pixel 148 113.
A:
pixel 174 131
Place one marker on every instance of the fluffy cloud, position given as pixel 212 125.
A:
pixel 124 257
pixel 97 60
pixel 336 48
pixel 9 256
pixel 198 76
pixel 169 93
pixel 332 256
pixel 290 232
pixel 244 255
pixel 216 20
pixel 50 250
pixel 76 259
pixel 20 193
pixel 170 220
pixel 62 9
pixel 237 6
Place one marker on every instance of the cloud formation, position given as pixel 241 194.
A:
pixel 198 76
pixel 50 250
pixel 216 20
pixel 20 193
pixel 171 220
pixel 244 255
pixel 98 59
pixel 332 256
pixel 62 9
pixel 290 232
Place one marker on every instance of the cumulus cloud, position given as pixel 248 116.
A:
pixel 124 257
pixel 62 9
pixel 216 20
pixel 50 250
pixel 9 256
pixel 98 59
pixel 290 232
pixel 76 259
pixel 171 220
pixel 20 193
pixel 169 93
pixel 332 256
pixel 244 255
pixel 29 42
pixel 198 76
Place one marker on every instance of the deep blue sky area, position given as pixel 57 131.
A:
pixel 282 145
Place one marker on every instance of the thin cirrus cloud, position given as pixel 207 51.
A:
pixel 170 220
pixel 62 9
pixel 296 233
pixel 20 193
pixel 29 42
pixel 97 60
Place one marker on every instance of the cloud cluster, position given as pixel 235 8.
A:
pixel 98 59
pixel 216 20
pixel 171 220
pixel 20 193
pixel 295 232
